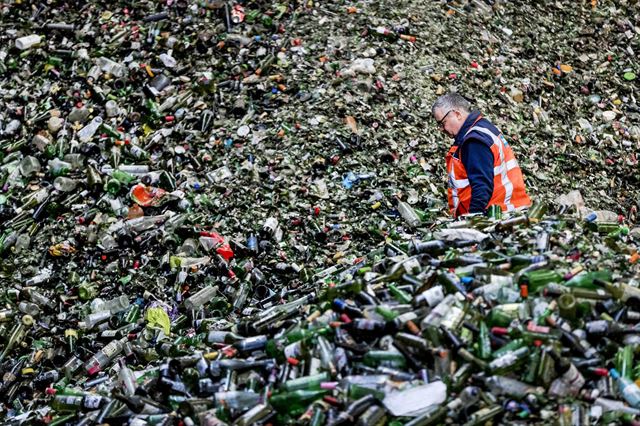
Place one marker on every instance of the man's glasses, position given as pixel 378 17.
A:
pixel 441 121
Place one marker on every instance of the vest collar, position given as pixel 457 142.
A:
pixel 472 119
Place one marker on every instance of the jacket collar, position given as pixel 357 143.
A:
pixel 468 124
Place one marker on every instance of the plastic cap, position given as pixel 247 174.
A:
pixel 466 280
pixel 591 217
pixel 614 373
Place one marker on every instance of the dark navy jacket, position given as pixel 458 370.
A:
pixel 475 153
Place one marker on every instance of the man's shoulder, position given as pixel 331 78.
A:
pixel 476 135
pixel 485 123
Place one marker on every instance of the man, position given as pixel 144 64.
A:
pixel 481 167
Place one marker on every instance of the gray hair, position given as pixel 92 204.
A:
pixel 451 101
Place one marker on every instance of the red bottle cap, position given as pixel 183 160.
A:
pixel 331 400
pixel 499 331
pixel 602 372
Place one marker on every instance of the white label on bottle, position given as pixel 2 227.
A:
pixel 574 380
pixel 270 225
pixel 433 296
pixel 404 318
pixel 112 349
pixel 503 361
pixel 293 350
pixel 92 401
pixel 340 358
pixel 590 351
pixel 72 400
pixel 363 324
pixel 411 265
pixel 598 327
pixel 558 388
pixel 216 336
pixel 453 316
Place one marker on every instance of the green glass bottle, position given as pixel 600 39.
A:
pixel 87 291
pixel 117 181
pixel 387 313
pixel 507 224
pixel 356 392
pixel 603 227
pixel 542 319
pixel 294 403
pixel 469 357
pixel 461 377
pixel 509 361
pixel 267 20
pixel 536 280
pixel 567 306
pixel 586 279
pixel 484 415
pixel 513 345
pixel 502 315
pixel 62 420
pixel 392 359
pixel 624 361
pixel 578 293
pixel 299 333
pixel 521 260
pixel 546 370
pixel 280 350
pixel 133 314
pixel 110 131
pixel 622 292
pixel 152 107
pixel 94 180
pixel 306 382
pixel 400 295
pixel 536 212
pixel 617 233
pixel 318 417
pixel 123 177
pixel 530 376
pixel 18 333
pixel 430 418
pixel 484 342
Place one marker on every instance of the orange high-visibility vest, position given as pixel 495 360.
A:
pixel 508 185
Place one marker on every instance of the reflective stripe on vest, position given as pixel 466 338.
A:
pixel 455 185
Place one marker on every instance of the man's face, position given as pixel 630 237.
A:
pixel 449 121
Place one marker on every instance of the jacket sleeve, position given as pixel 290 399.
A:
pixel 477 159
